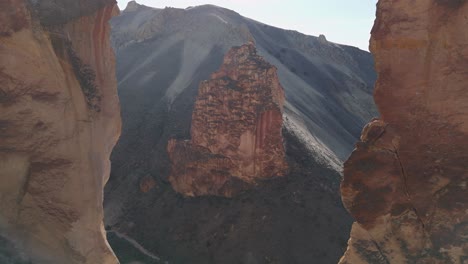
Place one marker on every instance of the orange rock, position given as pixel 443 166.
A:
pixel 147 184
pixel 236 129
pixel 406 181
pixel 59 120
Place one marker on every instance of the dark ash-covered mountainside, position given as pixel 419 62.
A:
pixel 162 56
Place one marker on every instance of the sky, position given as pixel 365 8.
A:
pixel 341 21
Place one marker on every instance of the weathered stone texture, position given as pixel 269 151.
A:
pixel 406 182
pixel 59 120
pixel 236 129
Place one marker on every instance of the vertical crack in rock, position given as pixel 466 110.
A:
pixel 381 257
pixel 59 120
pixel 236 129
pixel 405 184
pixel 413 202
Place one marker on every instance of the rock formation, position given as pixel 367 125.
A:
pixel 163 55
pixel 59 120
pixel 406 181
pixel 236 129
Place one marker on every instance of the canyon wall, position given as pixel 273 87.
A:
pixel 236 129
pixel 406 181
pixel 163 55
pixel 59 120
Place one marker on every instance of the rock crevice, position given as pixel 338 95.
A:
pixel 406 188
pixel 59 120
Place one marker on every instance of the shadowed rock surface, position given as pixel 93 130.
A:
pixel 59 120
pixel 406 182
pixel 163 56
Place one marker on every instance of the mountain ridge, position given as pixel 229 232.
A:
pixel 163 55
pixel 155 25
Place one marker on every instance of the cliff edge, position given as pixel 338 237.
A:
pixel 59 120
pixel 406 181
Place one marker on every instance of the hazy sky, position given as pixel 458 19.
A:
pixel 342 21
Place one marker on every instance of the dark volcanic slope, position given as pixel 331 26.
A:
pixel 162 56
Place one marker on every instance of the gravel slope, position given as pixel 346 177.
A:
pixel 162 55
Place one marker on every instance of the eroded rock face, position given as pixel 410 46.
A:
pixel 406 182
pixel 236 129
pixel 163 56
pixel 59 120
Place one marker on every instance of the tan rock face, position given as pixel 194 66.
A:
pixel 406 182
pixel 59 120
pixel 236 129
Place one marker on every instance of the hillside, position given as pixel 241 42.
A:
pixel 162 57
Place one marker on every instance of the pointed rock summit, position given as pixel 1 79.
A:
pixel 323 39
pixel 236 129
pixel 132 6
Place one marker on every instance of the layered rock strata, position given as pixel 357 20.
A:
pixel 236 129
pixel 406 181
pixel 59 120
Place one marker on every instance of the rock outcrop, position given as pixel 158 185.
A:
pixel 236 129
pixel 406 181
pixel 163 55
pixel 59 120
